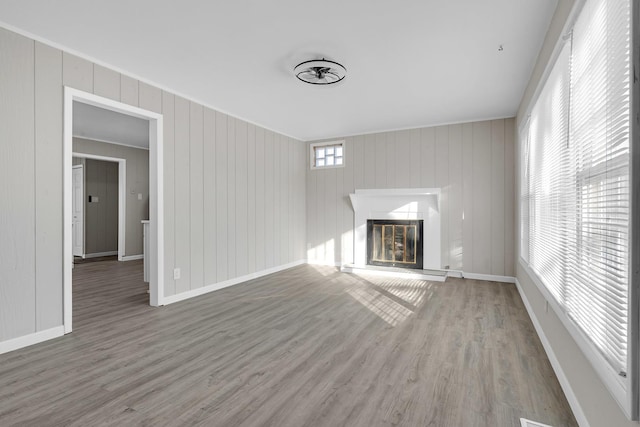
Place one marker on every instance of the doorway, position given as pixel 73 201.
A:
pixel 156 242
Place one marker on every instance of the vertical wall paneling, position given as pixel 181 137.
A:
pixel 414 157
pixel 497 197
pixel 467 196
pixel 129 91
pixel 209 196
pixel 17 216
pixel 460 159
pixel 455 197
pixel 369 149
pixel 509 197
pixel 380 170
pixel 182 194
pixel 345 202
pixel 48 205
pixel 340 207
pixel 259 236
pixel 222 190
pixel 106 82
pixel 428 155
pixel 390 159
pixel 149 97
pixel 77 72
pixel 403 160
pixel 251 198
pixel 269 171
pixel 196 182
pixel 231 196
pixel 168 113
pixel 442 182
pixel 482 197
pixel 217 183
pixel 241 187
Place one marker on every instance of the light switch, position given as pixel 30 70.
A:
pixel 176 273
pixel 139 196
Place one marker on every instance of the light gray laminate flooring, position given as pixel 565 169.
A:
pixel 309 346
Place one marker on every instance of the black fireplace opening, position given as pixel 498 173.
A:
pixel 394 243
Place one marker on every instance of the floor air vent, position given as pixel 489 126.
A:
pixel 528 423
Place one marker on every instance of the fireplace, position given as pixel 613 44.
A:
pixel 394 243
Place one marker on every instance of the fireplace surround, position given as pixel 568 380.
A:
pixel 398 204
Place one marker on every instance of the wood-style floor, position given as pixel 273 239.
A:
pixel 304 347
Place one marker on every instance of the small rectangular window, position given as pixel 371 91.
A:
pixel 327 155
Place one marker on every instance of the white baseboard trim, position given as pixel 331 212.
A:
pixel 31 339
pixel 101 254
pixel 487 277
pixel 321 262
pixel 132 257
pixel 225 284
pixel 555 364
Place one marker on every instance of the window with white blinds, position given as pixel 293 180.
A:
pixel 575 193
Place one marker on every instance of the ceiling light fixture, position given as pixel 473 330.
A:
pixel 320 72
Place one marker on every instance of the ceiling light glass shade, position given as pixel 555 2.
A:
pixel 320 72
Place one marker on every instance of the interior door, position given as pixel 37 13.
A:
pixel 78 210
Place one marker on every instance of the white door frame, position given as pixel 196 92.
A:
pixel 75 230
pixel 156 213
pixel 122 195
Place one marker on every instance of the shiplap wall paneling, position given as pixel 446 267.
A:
pixel 129 91
pixel 168 113
pixel 150 97
pixel 48 186
pixel 403 164
pixel 231 196
pixel 241 235
pixel 106 82
pixel 196 182
pixel 259 235
pixel 269 194
pixel 414 157
pixel 182 194
pixel 442 182
pixel 497 197
pixel 251 198
pixel 509 197
pixel 428 154
pixel 340 207
pixel 482 198
pixel 346 210
pixel 17 194
pixel 455 225
pixel 390 159
pixel 210 196
pixel 467 196
pixel 77 72
pixel 222 190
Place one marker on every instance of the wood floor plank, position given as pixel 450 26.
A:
pixel 309 346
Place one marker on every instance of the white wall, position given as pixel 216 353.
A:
pixel 472 164
pixel 225 181
pixel 588 396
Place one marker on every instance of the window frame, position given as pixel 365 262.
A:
pixel 312 153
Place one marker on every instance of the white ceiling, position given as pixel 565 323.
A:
pixel 409 63
pixel 104 125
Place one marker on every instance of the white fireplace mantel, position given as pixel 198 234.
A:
pixel 398 203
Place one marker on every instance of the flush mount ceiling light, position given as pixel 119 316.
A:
pixel 320 72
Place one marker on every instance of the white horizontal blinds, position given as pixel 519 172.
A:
pixel 551 200
pixel 597 252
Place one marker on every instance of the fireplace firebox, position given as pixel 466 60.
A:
pixel 394 243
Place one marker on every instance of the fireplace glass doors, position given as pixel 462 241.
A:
pixel 394 243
